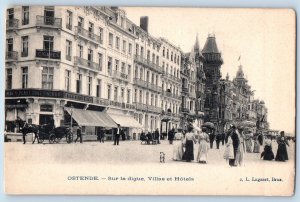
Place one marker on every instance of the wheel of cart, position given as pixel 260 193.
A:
pixel 60 132
pixel 52 138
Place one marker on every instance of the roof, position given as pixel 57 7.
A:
pixel 210 45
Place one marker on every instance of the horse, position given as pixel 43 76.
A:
pixel 28 128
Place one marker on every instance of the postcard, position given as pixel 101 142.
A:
pixel 106 100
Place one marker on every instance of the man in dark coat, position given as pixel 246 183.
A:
pixel 212 138
pixel 156 136
pixel 223 138
pixel 100 135
pixel 235 144
pixel 117 135
pixel 171 134
pixel 218 139
pixel 123 135
pixel 79 134
pixel 260 139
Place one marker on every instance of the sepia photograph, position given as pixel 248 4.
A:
pixel 106 100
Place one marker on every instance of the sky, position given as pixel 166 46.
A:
pixel 264 38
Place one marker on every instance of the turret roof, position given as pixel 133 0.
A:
pixel 210 45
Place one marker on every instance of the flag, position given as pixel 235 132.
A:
pixel 239 58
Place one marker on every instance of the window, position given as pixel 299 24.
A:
pixel 141 97
pixel 89 85
pixel 110 39
pixel 172 56
pixel 122 94
pixel 98 88
pixel 129 71
pixel 116 65
pixel 153 58
pixel 147 98
pixel 167 53
pixel 80 50
pixel 136 72
pixel 128 95
pixel 157 60
pixel 100 60
pixel 152 78
pixel 48 43
pixel 10 13
pixel 116 93
pixel 24 77
pixel 122 22
pixel 47 78
pixel 152 100
pixel 123 67
pixel 156 80
pixel 10 45
pixel 148 55
pixel 155 102
pixel 101 35
pixel 68 50
pixel 78 83
pixel 69 20
pixel 46 108
pixel 91 28
pixel 90 55
pixel 25 15
pixel 135 95
pixel 108 91
pixel 9 79
pixel 117 43
pixel 24 52
pixel 80 22
pixel 163 51
pixel 130 49
pixel 137 49
pixel 124 46
pixel 67 80
pixel 142 51
pixel 109 65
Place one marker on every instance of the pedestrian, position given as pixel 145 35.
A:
pixel 248 141
pixel 228 152
pixel 79 134
pixel 211 137
pixel 101 135
pixel 260 139
pixel 218 139
pixel 189 141
pixel 24 131
pixel 123 134
pixel 117 135
pixel 282 154
pixel 239 160
pixel 178 150
pixel 235 144
pixel 267 154
pixel 149 137
pixel 171 134
pixel 256 148
pixel 203 146
pixel 223 138
pixel 156 136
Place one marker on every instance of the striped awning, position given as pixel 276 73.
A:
pixel 125 120
pixel 91 118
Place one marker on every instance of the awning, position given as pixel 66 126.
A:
pixel 91 118
pixel 125 121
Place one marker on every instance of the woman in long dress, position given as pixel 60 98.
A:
pixel 267 154
pixel 228 152
pixel 203 147
pixel 282 154
pixel 256 148
pixel 178 150
pixel 248 141
pixel 189 141
pixel 239 160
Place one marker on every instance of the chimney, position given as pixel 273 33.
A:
pixel 144 23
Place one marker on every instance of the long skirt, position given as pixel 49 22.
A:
pixel 239 158
pixel 249 146
pixel 267 153
pixel 282 154
pixel 256 148
pixel 188 154
pixel 178 152
pixel 202 151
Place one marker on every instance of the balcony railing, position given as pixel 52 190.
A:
pixel 87 34
pixel 12 24
pixel 120 75
pixel 39 53
pixel 185 90
pixel 150 64
pixel 43 21
pixel 145 107
pixel 11 55
pixel 86 63
pixel 171 95
pixel 184 110
pixel 148 85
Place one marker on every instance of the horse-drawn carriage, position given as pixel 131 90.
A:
pixel 47 132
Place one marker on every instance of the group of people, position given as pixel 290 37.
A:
pixel 150 137
pixel 184 149
pixel 236 145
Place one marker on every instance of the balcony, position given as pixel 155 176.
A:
pixel 171 95
pixel 101 101
pixel 148 108
pixel 140 106
pixel 148 85
pixel 47 54
pixel 12 24
pixel 121 76
pixel 49 22
pixel 185 90
pixel 140 59
pixel 87 64
pixel 11 55
pixel 140 82
pixel 153 109
pixel 87 35
pixel 185 110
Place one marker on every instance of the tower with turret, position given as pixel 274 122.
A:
pixel 212 65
